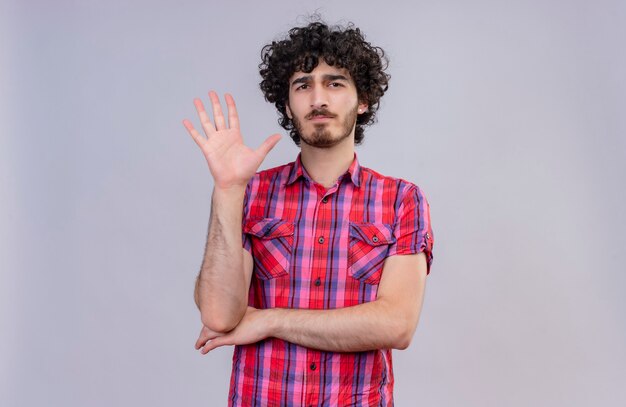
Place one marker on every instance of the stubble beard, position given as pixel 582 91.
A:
pixel 321 137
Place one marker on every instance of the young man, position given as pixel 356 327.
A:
pixel 335 256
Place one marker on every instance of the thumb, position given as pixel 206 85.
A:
pixel 269 143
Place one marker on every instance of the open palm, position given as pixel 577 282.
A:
pixel 231 162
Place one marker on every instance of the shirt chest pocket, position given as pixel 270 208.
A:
pixel 272 243
pixel 368 247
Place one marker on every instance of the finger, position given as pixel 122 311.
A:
pixel 207 126
pixel 269 143
pixel 215 343
pixel 205 335
pixel 197 137
pixel 200 342
pixel 202 339
pixel 218 116
pixel 233 117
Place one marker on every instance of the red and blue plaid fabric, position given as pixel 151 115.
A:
pixel 318 248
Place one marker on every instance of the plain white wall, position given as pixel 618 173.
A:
pixel 509 115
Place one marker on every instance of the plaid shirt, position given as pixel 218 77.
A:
pixel 315 248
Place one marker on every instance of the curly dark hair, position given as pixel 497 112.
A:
pixel 337 46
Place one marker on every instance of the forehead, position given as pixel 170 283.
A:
pixel 322 69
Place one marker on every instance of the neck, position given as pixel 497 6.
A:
pixel 326 165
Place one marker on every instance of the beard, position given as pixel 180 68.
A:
pixel 321 137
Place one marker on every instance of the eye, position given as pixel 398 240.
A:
pixel 303 86
pixel 335 84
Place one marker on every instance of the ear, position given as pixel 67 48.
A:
pixel 288 110
pixel 362 108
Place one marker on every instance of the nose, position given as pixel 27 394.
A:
pixel 319 97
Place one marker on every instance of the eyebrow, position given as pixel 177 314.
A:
pixel 335 78
pixel 302 79
pixel 326 77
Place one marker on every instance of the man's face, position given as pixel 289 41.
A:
pixel 323 105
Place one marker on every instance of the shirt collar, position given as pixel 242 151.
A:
pixel 298 171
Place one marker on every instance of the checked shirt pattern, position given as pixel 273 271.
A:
pixel 322 248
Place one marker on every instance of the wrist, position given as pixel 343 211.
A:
pixel 275 317
pixel 234 189
pixel 229 197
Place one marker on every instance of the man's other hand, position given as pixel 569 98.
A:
pixel 254 327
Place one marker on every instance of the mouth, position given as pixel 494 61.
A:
pixel 320 118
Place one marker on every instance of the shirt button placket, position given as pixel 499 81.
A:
pixel 319 232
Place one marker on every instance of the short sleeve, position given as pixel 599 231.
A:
pixel 245 238
pixel 412 228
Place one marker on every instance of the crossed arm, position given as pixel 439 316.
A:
pixel 387 322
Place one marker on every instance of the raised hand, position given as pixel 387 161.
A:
pixel 231 162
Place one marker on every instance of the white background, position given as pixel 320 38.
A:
pixel 509 115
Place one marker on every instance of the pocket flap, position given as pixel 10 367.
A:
pixel 268 228
pixel 375 234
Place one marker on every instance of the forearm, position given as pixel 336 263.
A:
pixel 221 288
pixel 363 327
